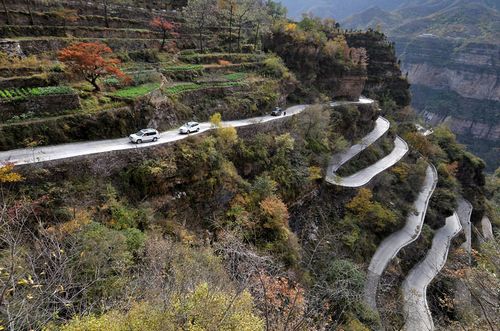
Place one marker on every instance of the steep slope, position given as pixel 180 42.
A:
pixel 416 310
pixel 390 247
pixel 337 160
pixel 234 228
pixel 365 175
pixel 450 51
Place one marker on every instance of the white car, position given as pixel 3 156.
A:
pixel 189 127
pixel 145 135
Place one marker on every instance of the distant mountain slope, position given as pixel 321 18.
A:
pixel 338 9
pixel 470 20
pixel 372 17
pixel 450 50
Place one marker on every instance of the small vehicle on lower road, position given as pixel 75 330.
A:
pixel 145 135
pixel 277 112
pixel 189 128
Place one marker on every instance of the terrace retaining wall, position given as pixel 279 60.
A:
pixel 51 79
pixel 39 105
pixel 11 31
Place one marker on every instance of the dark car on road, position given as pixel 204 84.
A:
pixel 277 112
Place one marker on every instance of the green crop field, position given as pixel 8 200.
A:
pixel 26 93
pixel 187 67
pixel 236 76
pixel 136 91
pixel 177 89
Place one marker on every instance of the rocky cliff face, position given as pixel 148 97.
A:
pixel 466 83
pixel 463 126
pixel 450 52
pixel 470 70
pixel 315 68
pixel 456 84
pixel 384 75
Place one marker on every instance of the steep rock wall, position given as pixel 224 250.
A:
pixel 472 70
pixel 457 84
pixel 463 126
pixel 384 74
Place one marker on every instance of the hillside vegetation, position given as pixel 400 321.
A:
pixel 231 228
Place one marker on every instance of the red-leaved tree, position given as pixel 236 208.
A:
pixel 166 27
pixel 91 61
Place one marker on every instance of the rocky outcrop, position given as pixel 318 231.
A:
pixel 471 70
pixel 452 49
pixel 317 69
pixel 11 47
pixel 384 75
pixel 489 131
pixel 479 85
pixel 457 84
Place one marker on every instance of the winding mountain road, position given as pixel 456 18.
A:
pixel 487 229
pixel 416 309
pixel 64 151
pixel 464 212
pixel 365 175
pixel 391 245
pixel 381 127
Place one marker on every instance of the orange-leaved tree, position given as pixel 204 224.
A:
pixel 166 27
pixel 91 61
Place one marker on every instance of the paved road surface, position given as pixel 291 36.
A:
pixel 487 229
pixel 416 309
pixel 364 176
pixel 381 127
pixel 55 152
pixel 464 212
pixel 47 153
pixel 391 245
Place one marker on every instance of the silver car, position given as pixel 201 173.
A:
pixel 189 127
pixel 145 135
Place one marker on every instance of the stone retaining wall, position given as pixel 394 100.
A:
pixel 50 19
pixel 142 10
pixel 7 72
pixel 38 80
pixel 77 32
pixel 40 105
pixel 112 123
pixel 110 163
pixel 38 46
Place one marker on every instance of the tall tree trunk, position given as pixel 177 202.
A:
pixel 164 37
pixel 239 38
pixel 231 30
pixel 257 36
pixel 94 84
pixel 6 12
pixel 201 40
pixel 28 4
pixel 106 13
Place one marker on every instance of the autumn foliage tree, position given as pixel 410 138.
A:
pixel 371 212
pixel 166 27
pixel 282 302
pixel 91 61
pixel 7 175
